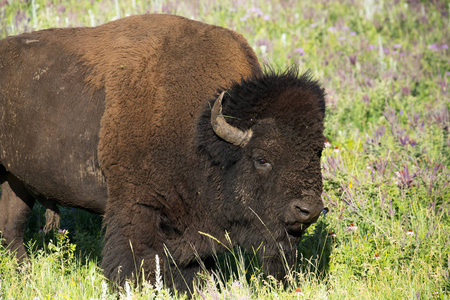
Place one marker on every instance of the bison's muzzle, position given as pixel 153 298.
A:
pixel 299 216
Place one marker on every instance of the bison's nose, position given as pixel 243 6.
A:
pixel 300 214
pixel 305 213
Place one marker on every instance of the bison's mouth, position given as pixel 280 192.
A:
pixel 296 229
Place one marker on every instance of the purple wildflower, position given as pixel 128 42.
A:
pixel 370 47
pixel 244 18
pixel 397 46
pixel 403 139
pixel 353 33
pixel 256 11
pixel 266 18
pixel 441 116
pixel 366 99
pixel 444 46
pixel 300 51
pixel 433 47
pixel 415 121
pixel 431 176
pixel 333 165
pixel 380 168
pixel 404 178
pixel 379 132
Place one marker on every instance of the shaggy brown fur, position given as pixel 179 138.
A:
pixel 129 101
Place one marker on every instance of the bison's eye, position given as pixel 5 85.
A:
pixel 262 161
pixel 263 164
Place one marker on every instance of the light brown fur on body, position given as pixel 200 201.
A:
pixel 143 65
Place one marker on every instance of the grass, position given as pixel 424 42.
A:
pixel 385 67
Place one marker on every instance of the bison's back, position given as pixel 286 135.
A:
pixel 157 72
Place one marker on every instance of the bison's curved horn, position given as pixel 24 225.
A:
pixel 224 130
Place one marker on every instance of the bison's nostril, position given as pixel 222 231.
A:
pixel 303 210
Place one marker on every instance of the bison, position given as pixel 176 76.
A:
pixel 168 127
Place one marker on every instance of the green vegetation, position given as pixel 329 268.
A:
pixel 385 68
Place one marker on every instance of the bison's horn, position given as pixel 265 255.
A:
pixel 224 130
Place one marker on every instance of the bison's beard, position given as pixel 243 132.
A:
pixel 279 259
pixel 277 251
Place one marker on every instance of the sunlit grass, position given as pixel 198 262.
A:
pixel 385 68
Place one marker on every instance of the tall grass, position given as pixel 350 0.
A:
pixel 385 67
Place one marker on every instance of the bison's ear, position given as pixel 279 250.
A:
pixel 224 130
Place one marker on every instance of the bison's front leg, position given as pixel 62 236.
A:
pixel 132 241
pixel 15 207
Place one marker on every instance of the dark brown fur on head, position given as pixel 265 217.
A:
pixel 286 112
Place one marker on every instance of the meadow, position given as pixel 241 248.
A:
pixel 385 66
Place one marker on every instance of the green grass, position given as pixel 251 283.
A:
pixel 385 68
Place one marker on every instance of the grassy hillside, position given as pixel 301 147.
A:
pixel 385 68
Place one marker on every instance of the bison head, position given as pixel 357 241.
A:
pixel 265 150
